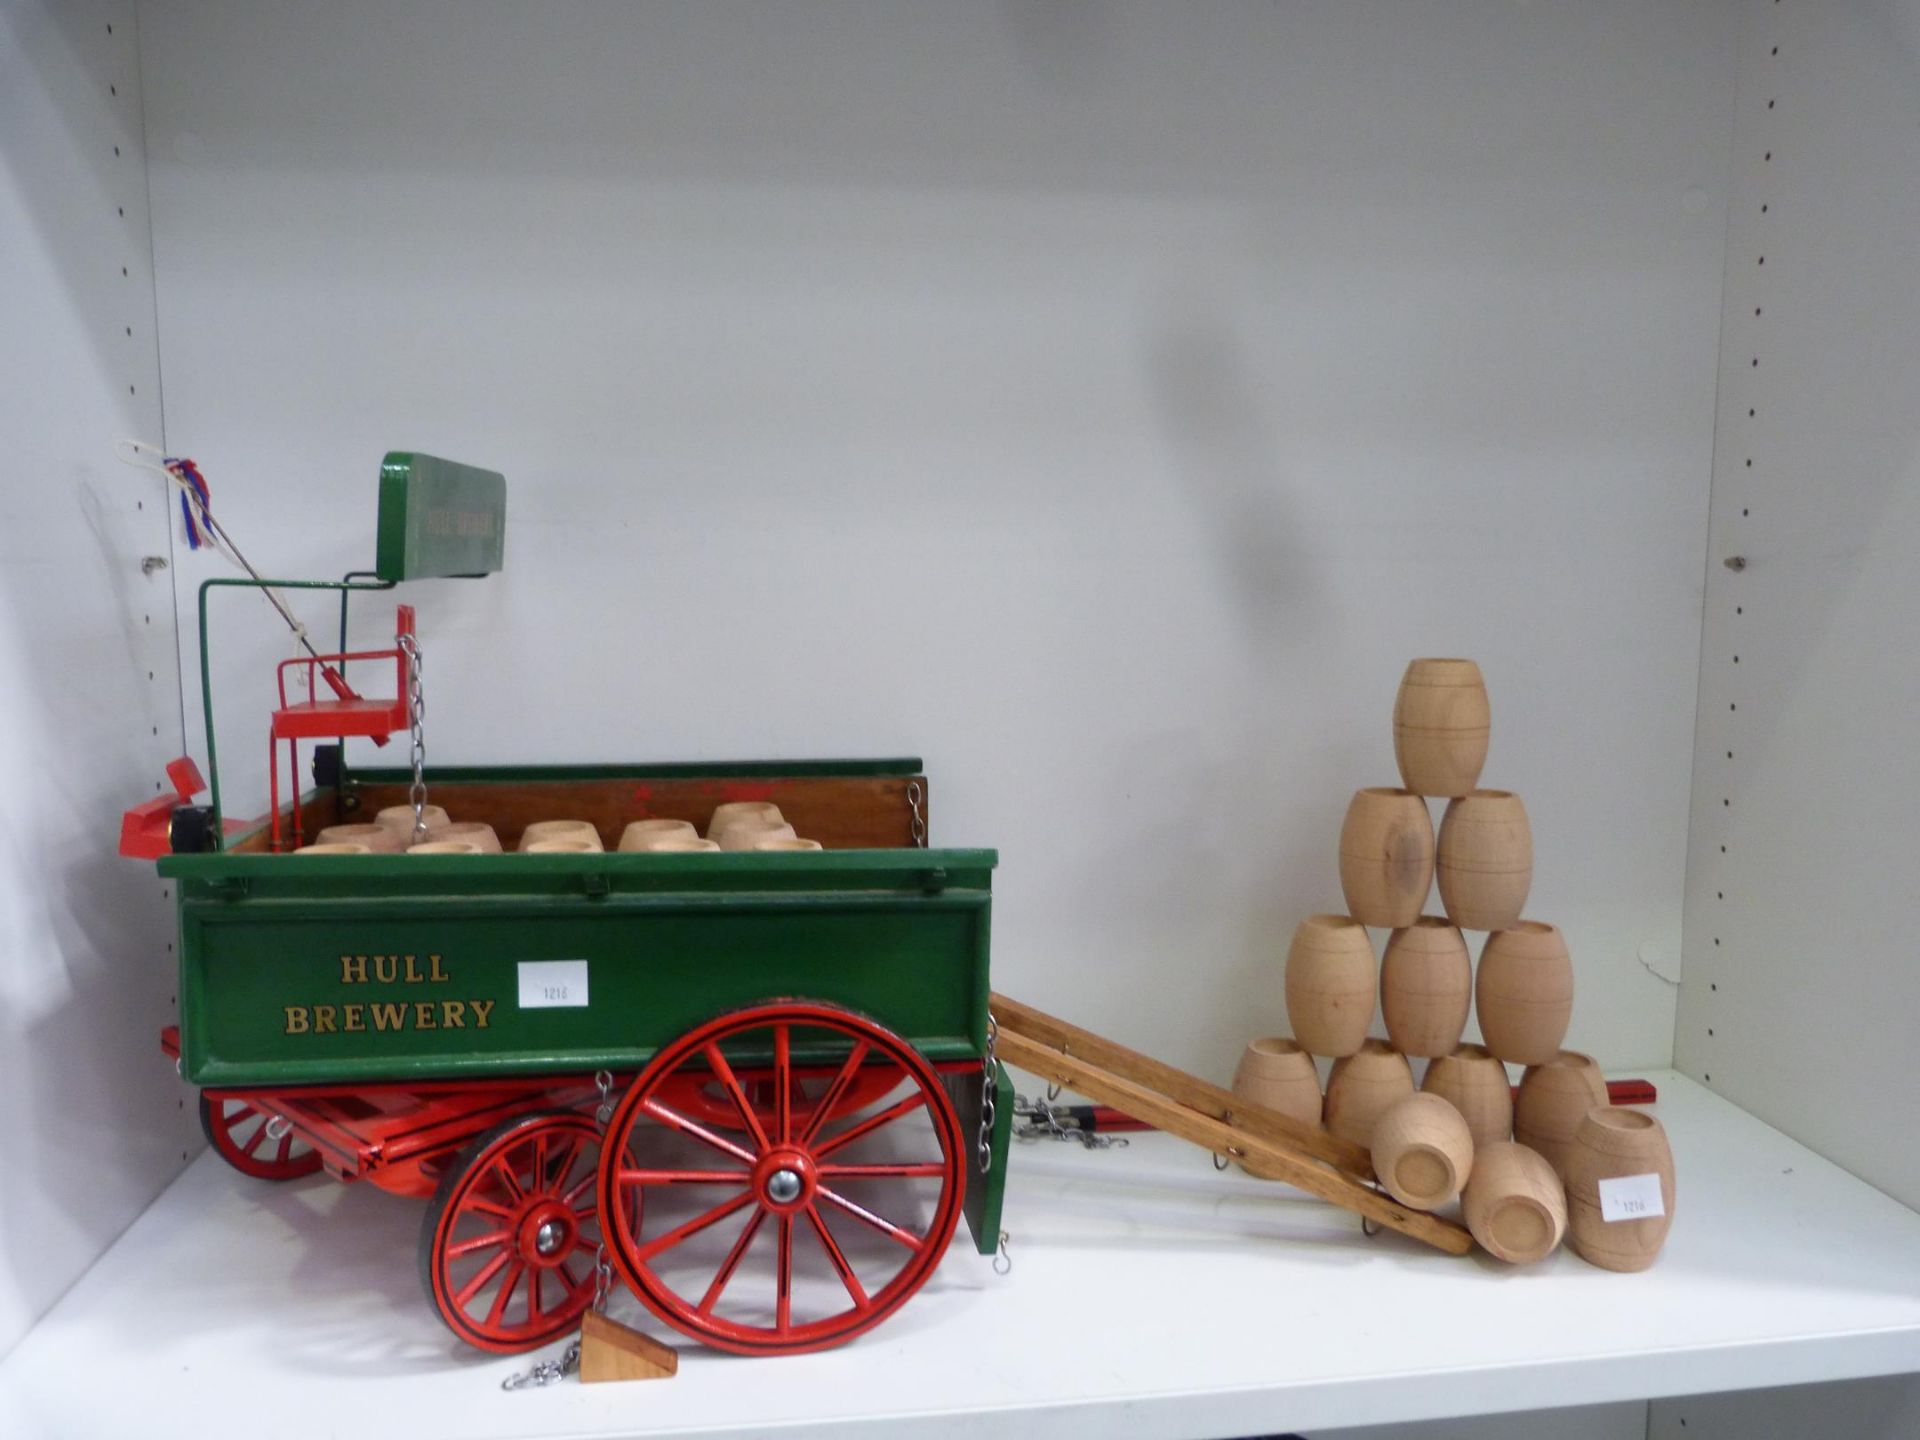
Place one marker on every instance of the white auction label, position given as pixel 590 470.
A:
pixel 550 984
pixel 1631 1197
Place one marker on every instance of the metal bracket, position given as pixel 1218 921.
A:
pixel 326 766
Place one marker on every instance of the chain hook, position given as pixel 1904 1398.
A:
pixel 989 1086
pixel 545 1372
pixel 416 728
pixel 603 1112
pixel 914 794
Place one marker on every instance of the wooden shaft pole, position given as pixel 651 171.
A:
pixel 1189 1090
pixel 1220 1136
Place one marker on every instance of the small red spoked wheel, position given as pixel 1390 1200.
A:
pixel 508 1244
pixel 253 1141
pixel 849 1202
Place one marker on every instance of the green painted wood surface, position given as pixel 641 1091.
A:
pixel 679 770
pixel 986 1192
pixel 670 940
pixel 438 517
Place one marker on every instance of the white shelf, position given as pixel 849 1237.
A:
pixel 1148 1296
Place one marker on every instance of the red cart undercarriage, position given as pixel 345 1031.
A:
pixel 512 1168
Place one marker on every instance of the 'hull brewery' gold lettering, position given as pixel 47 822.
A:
pixel 389 1014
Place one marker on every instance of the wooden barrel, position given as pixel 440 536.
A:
pixel 1485 861
pixel 1514 1205
pixel 1422 1151
pixel 686 843
pixel 786 842
pixel 1524 992
pixel 1277 1073
pixel 639 832
pixel 1475 1084
pixel 735 810
pixel 561 845
pixel 1440 727
pixel 1426 987
pixel 448 847
pixel 746 834
pixel 1332 984
pixel 380 839
pixel 400 817
pixel 1363 1087
pixel 1386 856
pixel 1554 1098
pixel 560 830
pixel 333 847
pixel 471 831
pixel 1623 1146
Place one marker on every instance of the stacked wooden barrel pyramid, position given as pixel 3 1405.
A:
pixel 1527 1170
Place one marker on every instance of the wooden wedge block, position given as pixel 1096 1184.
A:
pixel 611 1351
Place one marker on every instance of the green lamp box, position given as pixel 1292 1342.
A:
pixel 439 518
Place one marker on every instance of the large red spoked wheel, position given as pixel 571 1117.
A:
pixel 705 1099
pixel 508 1245
pixel 850 1206
pixel 246 1137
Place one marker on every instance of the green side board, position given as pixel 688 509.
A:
pixel 667 941
pixel 674 770
pixel 438 517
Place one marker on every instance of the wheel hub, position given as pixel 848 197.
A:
pixel 785 1179
pixel 545 1233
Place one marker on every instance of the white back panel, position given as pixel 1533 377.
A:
pixel 90 1125
pixel 1102 401
pixel 1801 986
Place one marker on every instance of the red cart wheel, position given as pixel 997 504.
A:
pixel 705 1099
pixel 247 1139
pixel 850 1205
pixel 507 1248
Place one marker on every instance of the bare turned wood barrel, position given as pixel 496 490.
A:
pixel 1485 863
pixel 1386 856
pixel 1440 727
pixel 1332 984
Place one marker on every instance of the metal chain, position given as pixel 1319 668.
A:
pixel 1002 1261
pixel 1036 1120
pixel 602 1266
pixel 919 816
pixel 989 1084
pixel 416 724
pixel 546 1372
pixel 550 1372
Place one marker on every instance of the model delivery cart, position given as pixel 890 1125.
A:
pixel 756 1087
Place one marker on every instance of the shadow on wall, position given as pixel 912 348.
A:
pixel 1223 429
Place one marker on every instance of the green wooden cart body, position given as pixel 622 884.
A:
pixel 403 968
